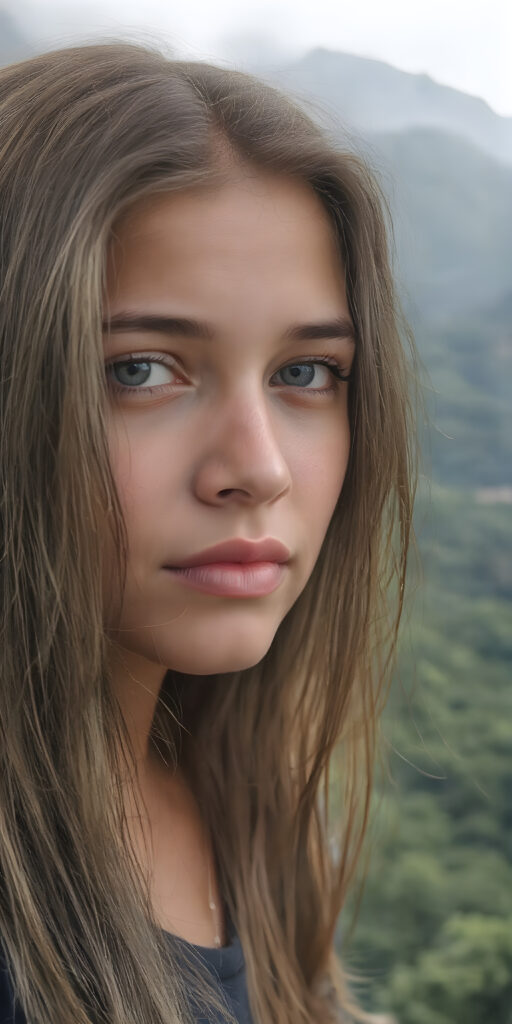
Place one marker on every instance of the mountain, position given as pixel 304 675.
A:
pixel 371 96
pixel 444 160
pixel 452 213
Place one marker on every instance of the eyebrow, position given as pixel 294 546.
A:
pixel 341 327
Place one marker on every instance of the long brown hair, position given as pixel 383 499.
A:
pixel 281 754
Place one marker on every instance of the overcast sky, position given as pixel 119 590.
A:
pixel 463 43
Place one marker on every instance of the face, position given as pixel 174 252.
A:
pixel 245 433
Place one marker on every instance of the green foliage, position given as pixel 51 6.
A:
pixel 469 361
pixel 434 935
pixel 466 978
pixel 433 940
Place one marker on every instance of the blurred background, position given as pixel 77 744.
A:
pixel 424 92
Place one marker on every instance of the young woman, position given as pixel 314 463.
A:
pixel 207 464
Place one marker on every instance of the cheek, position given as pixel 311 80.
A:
pixel 140 466
pixel 318 477
pixel 319 467
pixel 137 470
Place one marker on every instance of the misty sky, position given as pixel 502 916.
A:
pixel 463 43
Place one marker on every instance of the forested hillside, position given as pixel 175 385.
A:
pixel 434 936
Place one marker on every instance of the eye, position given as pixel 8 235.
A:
pixel 301 374
pixel 130 368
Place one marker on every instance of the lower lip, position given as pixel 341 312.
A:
pixel 233 579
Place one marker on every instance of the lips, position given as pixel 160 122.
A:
pixel 237 550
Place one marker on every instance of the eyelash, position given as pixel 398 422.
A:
pixel 326 360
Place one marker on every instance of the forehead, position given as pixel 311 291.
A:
pixel 256 217
pixel 249 196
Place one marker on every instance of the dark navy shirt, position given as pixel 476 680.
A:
pixel 225 963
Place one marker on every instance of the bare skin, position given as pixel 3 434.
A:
pixel 231 445
pixel 180 859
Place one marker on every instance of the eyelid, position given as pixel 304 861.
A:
pixel 168 359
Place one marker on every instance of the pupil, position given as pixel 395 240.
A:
pixel 133 369
pixel 301 370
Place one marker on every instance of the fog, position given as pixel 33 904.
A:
pixel 462 43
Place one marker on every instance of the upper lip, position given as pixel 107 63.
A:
pixel 237 550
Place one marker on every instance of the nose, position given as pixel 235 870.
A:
pixel 242 458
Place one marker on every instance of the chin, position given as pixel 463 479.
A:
pixel 208 663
